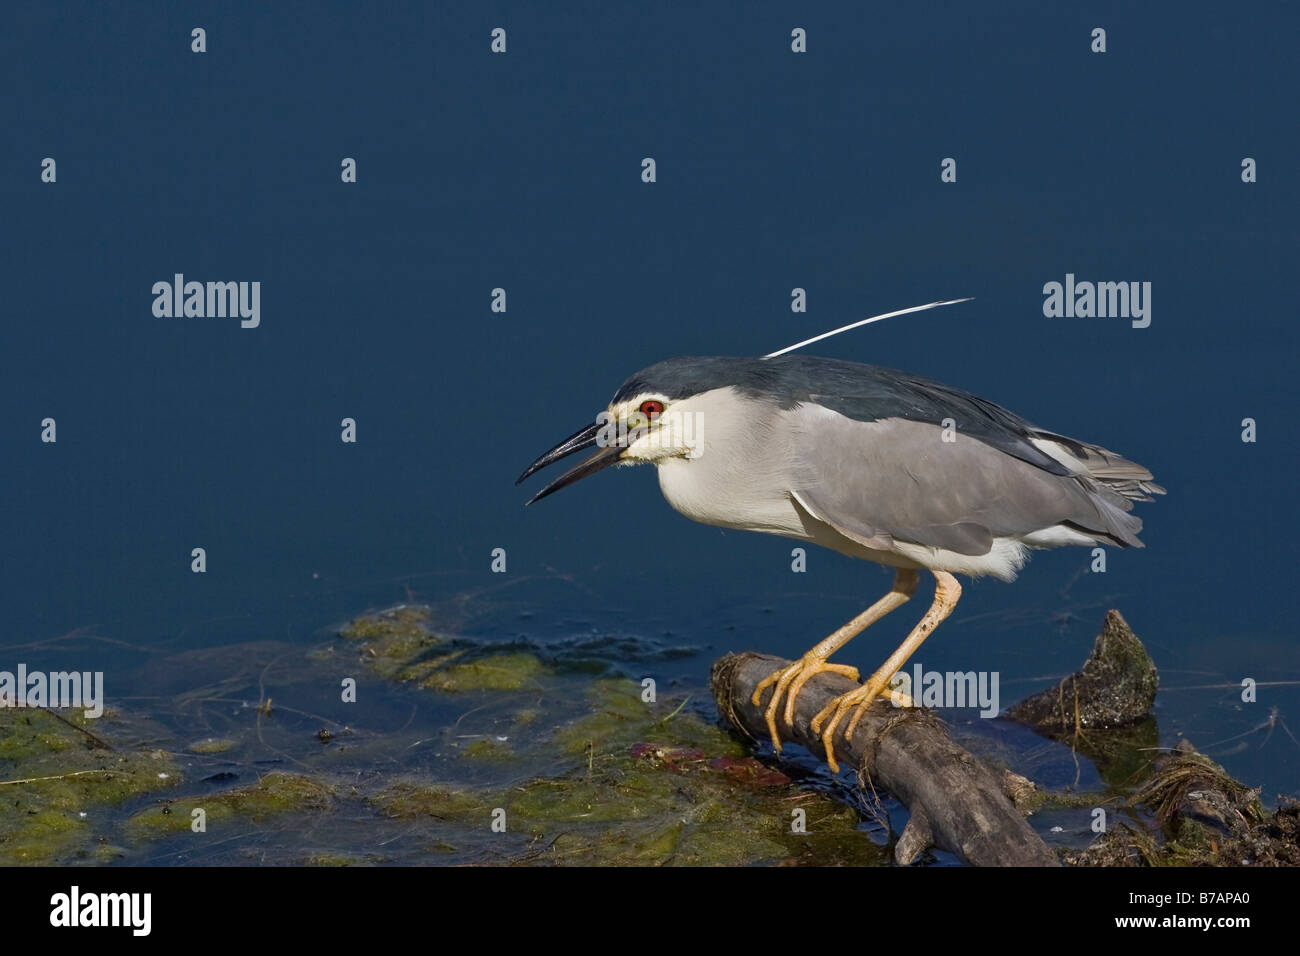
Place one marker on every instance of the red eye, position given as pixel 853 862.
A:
pixel 651 408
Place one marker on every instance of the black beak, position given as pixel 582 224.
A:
pixel 585 438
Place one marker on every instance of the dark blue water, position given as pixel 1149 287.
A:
pixel 522 171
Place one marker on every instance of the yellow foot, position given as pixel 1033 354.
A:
pixel 858 701
pixel 794 677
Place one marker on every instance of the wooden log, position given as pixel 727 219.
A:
pixel 958 802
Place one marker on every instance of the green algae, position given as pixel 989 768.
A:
pixel 497 672
pixel 274 795
pixel 212 745
pixel 618 718
pixel 57 783
pixel 333 860
pixel 634 782
pixel 45 836
pixel 659 813
pixel 656 784
pixel 398 644
pixel 492 750
pixel 398 624
pixel 410 799
pixel 328 858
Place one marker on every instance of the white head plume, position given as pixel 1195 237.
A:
pixel 854 325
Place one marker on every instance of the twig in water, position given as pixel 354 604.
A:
pixel 82 730
pixel 677 711
pixel 57 776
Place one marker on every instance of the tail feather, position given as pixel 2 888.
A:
pixel 1114 472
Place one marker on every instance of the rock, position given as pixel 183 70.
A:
pixel 1115 688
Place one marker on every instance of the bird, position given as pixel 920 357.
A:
pixel 868 461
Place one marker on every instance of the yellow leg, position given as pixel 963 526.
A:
pixel 946 594
pixel 797 674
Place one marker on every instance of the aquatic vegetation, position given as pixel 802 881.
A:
pixel 411 799
pixel 480 753
pixel 404 624
pixel 212 745
pixel 274 794
pixel 495 672
pixel 398 643
pixel 623 779
pixel 57 784
pixel 486 749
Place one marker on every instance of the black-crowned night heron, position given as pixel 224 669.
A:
pixel 867 461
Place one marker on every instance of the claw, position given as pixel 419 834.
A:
pixel 792 678
pixel 858 700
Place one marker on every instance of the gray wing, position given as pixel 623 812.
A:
pixel 898 478
pixel 874 393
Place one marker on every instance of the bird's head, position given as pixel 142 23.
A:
pixel 660 414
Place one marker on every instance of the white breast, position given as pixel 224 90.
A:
pixel 702 494
pixel 739 477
